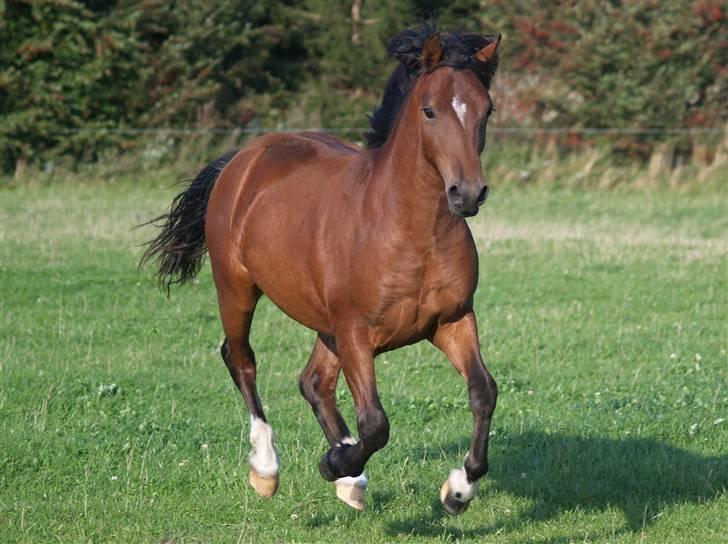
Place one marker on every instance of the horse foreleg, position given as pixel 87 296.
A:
pixel 346 460
pixel 318 387
pixel 459 342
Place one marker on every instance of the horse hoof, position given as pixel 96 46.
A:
pixel 452 505
pixel 351 494
pixel 264 486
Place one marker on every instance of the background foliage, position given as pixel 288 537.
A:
pixel 73 72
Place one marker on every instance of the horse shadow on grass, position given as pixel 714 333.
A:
pixel 559 473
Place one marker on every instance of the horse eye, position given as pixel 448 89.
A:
pixel 428 112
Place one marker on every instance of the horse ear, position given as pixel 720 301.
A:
pixel 431 51
pixel 486 54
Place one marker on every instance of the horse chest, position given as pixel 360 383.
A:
pixel 416 303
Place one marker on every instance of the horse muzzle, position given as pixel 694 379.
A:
pixel 465 199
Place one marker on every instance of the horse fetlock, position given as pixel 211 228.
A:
pixel 325 468
pixel 475 469
pixel 336 463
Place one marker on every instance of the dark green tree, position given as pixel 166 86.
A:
pixel 64 65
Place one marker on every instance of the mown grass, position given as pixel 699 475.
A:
pixel 603 316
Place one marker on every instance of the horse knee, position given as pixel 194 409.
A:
pixel 483 395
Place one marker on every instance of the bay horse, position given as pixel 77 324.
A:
pixel 367 247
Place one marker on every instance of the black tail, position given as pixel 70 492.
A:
pixel 181 246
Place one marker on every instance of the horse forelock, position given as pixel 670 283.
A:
pixel 457 52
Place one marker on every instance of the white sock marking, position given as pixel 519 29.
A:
pixel 263 456
pixel 460 488
pixel 460 108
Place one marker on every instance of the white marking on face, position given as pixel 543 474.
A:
pixel 263 456
pixel 460 488
pixel 460 108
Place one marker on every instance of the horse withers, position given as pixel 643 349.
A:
pixel 367 247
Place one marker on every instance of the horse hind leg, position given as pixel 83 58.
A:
pixel 236 311
pixel 318 387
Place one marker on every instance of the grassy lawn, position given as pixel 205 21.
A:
pixel 603 317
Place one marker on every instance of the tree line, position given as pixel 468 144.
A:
pixel 69 69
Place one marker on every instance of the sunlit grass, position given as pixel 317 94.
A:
pixel 603 316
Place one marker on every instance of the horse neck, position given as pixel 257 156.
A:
pixel 407 189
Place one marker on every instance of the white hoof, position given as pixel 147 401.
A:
pixel 264 486
pixel 352 491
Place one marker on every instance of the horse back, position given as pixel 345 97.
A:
pixel 273 160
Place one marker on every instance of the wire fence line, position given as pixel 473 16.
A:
pixel 334 130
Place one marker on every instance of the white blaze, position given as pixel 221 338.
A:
pixel 460 108
pixel 263 456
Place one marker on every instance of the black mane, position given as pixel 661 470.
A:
pixel 406 47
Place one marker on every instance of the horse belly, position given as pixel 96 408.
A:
pixel 299 304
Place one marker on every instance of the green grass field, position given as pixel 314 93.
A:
pixel 603 316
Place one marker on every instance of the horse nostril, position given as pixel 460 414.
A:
pixel 483 194
pixel 453 190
